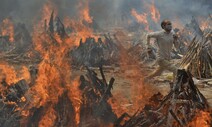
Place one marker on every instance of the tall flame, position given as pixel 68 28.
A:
pixel 81 31
pixel 75 96
pixel 85 12
pixel 136 95
pixel 155 14
pixel 141 18
pixel 54 70
pixel 46 11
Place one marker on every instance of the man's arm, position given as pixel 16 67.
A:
pixel 151 35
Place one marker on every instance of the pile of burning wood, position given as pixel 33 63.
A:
pixel 17 107
pixel 13 100
pixel 95 110
pixel 19 49
pixel 178 108
pixel 95 53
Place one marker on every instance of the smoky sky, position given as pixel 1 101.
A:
pixel 104 11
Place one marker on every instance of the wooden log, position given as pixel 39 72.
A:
pixel 177 119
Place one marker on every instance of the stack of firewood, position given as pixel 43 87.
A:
pixel 95 110
pixel 178 108
pixel 198 59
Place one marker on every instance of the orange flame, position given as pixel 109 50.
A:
pixel 84 11
pixel 7 29
pixel 203 119
pixel 81 31
pixel 155 14
pixel 11 75
pixel 48 119
pixel 53 71
pixel 141 18
pixel 75 96
pixel 46 11
pixel 137 94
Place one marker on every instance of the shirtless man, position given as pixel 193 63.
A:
pixel 165 40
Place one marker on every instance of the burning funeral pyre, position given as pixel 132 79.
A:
pixel 40 88
pixel 182 104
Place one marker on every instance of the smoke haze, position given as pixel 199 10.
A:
pixel 105 11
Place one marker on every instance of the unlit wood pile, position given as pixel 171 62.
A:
pixel 176 109
pixel 95 111
pixel 198 59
